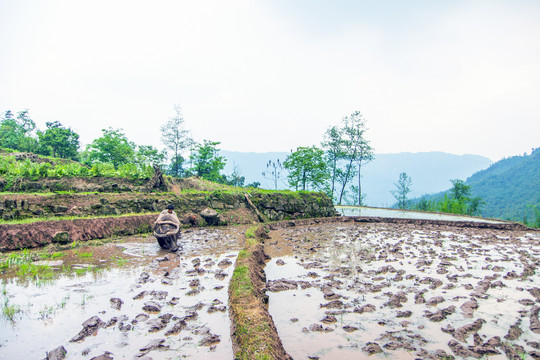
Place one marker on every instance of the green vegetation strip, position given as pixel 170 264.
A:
pixel 254 334
pixel 64 218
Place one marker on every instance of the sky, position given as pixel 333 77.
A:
pixel 258 76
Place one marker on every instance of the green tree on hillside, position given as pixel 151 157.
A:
pixel 148 155
pixel 18 132
pixel 176 139
pixel 307 169
pixel 207 163
pixel 460 191
pixel 403 188
pixel 112 147
pixel 58 141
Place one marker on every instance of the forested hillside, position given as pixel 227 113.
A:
pixel 510 187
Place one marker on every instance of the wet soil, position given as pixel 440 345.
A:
pixel 404 291
pixel 124 300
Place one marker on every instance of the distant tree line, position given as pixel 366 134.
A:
pixel 112 154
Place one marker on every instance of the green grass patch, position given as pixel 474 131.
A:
pixel 52 256
pixel 16 259
pixel 9 311
pixel 83 254
pixel 119 261
pixel 35 271
pixel 241 284
pixel 252 336
pixel 64 218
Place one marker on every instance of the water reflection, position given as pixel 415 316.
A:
pixel 190 284
pixel 406 214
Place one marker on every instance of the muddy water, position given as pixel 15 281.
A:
pixel 149 302
pixel 403 292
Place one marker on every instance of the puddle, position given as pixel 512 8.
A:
pixel 391 289
pixel 119 282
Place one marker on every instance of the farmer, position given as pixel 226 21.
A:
pixel 166 229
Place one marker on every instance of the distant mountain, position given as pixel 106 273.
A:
pixel 508 186
pixel 430 171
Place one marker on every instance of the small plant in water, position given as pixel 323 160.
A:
pixel 85 299
pixel 46 312
pixel 119 261
pixel 9 311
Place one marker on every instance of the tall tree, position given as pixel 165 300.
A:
pixel 18 132
pixel 112 147
pixel 403 188
pixel 334 147
pixel 307 169
pixel 58 141
pixel 176 139
pixel 207 163
pixel 357 149
pixel 365 155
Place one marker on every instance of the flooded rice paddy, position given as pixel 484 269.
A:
pixel 400 291
pixel 124 300
pixel 407 214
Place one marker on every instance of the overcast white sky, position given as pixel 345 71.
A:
pixel 455 76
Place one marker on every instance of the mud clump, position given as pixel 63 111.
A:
pixel 90 327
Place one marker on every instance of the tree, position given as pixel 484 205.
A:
pixel 334 147
pixel 460 191
pixel 18 132
pixel 275 168
pixel 236 178
pixel 58 141
pixel 148 155
pixel 307 169
pixel 403 188
pixel 365 155
pixel 176 139
pixel 206 161
pixel 112 147
pixel 356 149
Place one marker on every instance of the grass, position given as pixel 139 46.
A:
pixel 18 258
pixel 85 299
pixel 84 270
pixel 9 311
pixel 254 332
pixel 63 218
pixel 43 272
pixel 52 256
pixel 251 328
pixel 83 254
pixel 241 284
pixel 119 261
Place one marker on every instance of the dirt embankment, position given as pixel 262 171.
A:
pixel 253 332
pixel 274 205
pixel 419 222
pixel 20 236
